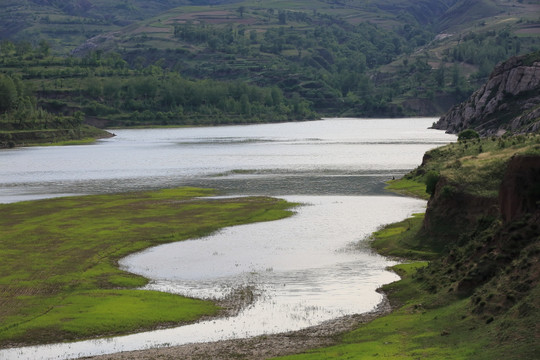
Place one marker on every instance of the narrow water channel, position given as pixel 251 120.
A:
pixel 301 271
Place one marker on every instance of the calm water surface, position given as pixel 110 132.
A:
pixel 329 157
pixel 303 270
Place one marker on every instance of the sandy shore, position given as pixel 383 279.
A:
pixel 261 347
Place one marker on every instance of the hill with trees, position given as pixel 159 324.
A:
pixel 133 62
pixel 24 122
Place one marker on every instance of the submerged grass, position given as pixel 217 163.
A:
pixel 59 278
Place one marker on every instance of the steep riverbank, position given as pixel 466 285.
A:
pixel 82 134
pixel 477 298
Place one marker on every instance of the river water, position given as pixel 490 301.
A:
pixel 301 271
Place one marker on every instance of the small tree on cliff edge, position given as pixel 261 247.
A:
pixel 468 134
pixel 432 177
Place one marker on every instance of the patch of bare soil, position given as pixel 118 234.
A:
pixel 261 347
pixel 212 17
pixel 529 30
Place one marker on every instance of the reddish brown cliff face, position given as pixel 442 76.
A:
pixel 495 262
pixel 452 211
pixel 520 188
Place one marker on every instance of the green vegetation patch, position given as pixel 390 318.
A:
pixel 408 187
pixel 474 166
pixel 87 313
pixel 58 259
pixel 400 240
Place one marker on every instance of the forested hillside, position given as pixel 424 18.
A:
pixel 130 62
pixel 105 91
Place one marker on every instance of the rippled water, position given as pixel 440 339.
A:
pixel 330 157
pixel 303 270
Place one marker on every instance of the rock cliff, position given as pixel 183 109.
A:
pixel 509 101
pixel 452 210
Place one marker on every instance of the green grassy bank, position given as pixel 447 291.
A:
pixel 59 278
pixel 408 187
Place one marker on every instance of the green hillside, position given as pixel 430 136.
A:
pixel 67 23
pixel 331 58
pixel 391 49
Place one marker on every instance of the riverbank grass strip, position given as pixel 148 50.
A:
pixel 408 187
pixel 59 278
pixel 84 314
pixel 401 240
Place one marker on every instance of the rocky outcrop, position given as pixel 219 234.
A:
pixel 509 101
pixel 452 211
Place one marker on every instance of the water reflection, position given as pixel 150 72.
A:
pixel 303 270
pixel 335 156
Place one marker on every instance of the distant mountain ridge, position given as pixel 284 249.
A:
pixel 424 11
pixel 24 20
pixel 384 58
pixel 509 101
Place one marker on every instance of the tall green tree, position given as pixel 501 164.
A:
pixel 440 75
pixel 8 93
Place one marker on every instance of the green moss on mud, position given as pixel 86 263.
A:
pixel 58 260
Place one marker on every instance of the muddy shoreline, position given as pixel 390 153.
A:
pixel 260 347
